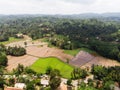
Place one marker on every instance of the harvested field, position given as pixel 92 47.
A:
pixel 29 43
pixel 25 60
pixel 84 59
pixel 102 61
pixel 81 58
pixel 47 52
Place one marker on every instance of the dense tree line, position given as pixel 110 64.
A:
pixel 106 74
pixel 79 73
pixel 3 57
pixel 3 37
pixel 106 49
pixel 16 51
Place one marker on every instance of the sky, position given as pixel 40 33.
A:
pixel 58 6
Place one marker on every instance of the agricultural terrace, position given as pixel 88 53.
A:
pixel 42 64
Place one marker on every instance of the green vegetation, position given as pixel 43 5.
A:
pixel 55 79
pixel 3 59
pixel 74 52
pixel 11 39
pixel 16 51
pixel 42 64
pixel 79 73
pixel 106 74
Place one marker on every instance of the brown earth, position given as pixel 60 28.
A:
pixel 84 59
pixel 47 52
pixel 37 49
pixel 102 61
pixel 25 60
pixel 35 52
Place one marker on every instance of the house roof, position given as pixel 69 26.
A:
pixel 44 82
pixel 20 85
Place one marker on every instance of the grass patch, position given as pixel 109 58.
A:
pixel 11 39
pixel 87 50
pixel 76 51
pixel 41 65
pixel 72 52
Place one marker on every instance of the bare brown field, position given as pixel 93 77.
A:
pixel 81 58
pixel 102 61
pixel 45 51
pixel 25 60
pixel 84 59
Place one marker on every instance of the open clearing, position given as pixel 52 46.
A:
pixel 102 61
pixel 84 59
pixel 42 64
pixel 46 51
pixel 24 60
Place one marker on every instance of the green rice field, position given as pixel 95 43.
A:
pixel 42 64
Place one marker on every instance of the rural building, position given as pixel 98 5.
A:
pixel 44 80
pixel 20 35
pixel 20 85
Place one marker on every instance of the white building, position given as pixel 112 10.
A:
pixel 20 85
pixel 44 82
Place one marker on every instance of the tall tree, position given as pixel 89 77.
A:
pixel 55 79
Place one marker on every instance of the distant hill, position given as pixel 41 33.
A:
pixel 103 16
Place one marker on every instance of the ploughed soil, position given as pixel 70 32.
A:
pixel 84 59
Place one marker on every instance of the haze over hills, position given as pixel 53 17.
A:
pixel 83 15
pixel 108 16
